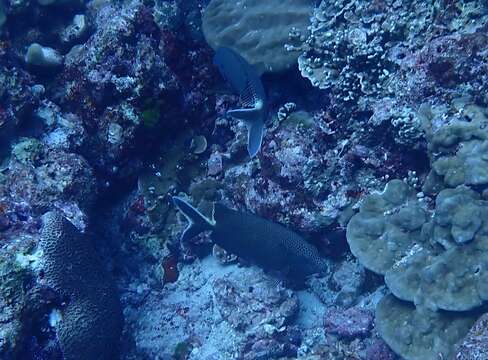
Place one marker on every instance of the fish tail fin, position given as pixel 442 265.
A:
pixel 254 137
pixel 247 83
pixel 252 117
pixel 197 222
pixel 248 115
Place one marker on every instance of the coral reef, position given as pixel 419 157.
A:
pixel 356 48
pixel 109 98
pixel 42 177
pixel 13 300
pixel 19 99
pixel 456 258
pixel 373 150
pixel 461 146
pixel 392 235
pixel 443 243
pixel 302 178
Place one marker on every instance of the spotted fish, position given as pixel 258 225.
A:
pixel 245 81
pixel 253 238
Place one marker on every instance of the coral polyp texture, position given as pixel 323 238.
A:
pixel 387 226
pixel 449 273
pixel 350 43
pixel 257 30
pixel 420 334
pixel 91 320
pixel 475 345
pixel 462 148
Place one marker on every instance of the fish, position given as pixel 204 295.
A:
pixel 270 245
pixel 245 81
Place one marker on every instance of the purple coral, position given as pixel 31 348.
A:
pixel 378 350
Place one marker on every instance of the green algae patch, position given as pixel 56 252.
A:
pixel 151 117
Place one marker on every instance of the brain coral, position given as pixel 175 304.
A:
pixel 257 30
pixel 91 322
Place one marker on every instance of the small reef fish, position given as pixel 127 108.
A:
pixel 245 81
pixel 260 241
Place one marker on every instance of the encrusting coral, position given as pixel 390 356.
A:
pixel 437 273
pixel 386 226
pixel 417 333
pixel 257 30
